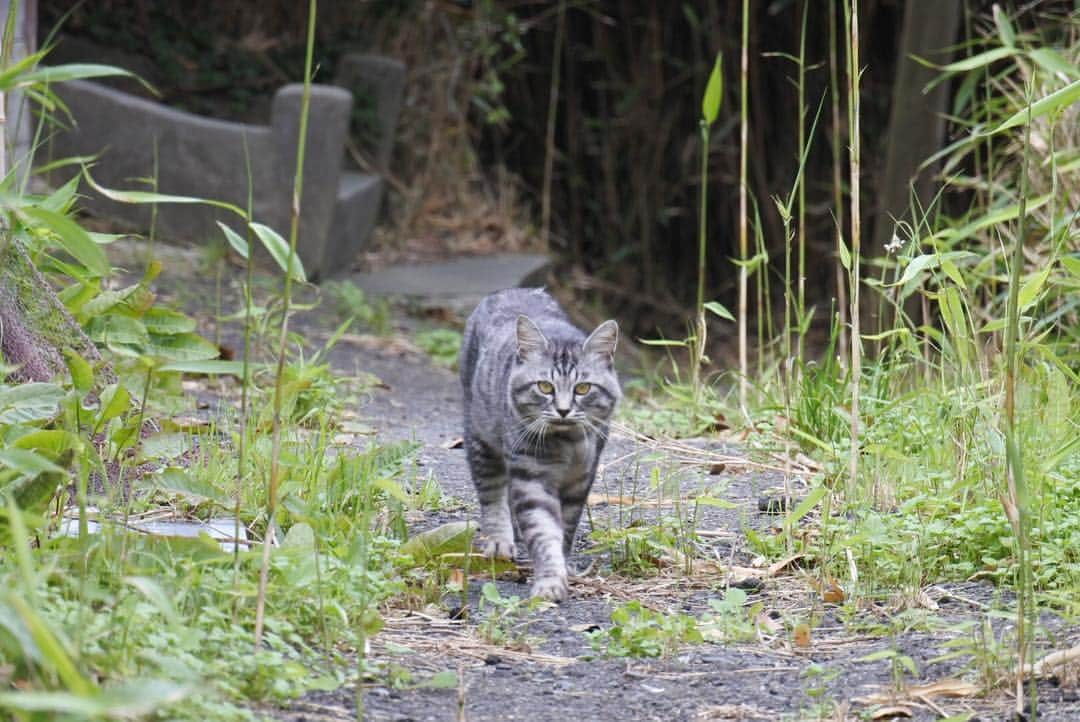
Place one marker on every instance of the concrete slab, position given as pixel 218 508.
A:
pixel 460 282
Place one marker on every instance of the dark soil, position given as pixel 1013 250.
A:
pixel 546 668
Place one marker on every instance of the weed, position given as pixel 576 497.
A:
pixel 637 631
pixel 350 302
pixel 441 344
pixel 502 623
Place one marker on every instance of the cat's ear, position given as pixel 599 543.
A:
pixel 602 341
pixel 530 339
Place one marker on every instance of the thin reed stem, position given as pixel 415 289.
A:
pixel 279 378
pixel 851 11
pixel 837 184
pixel 744 72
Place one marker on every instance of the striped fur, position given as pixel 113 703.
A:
pixel 538 397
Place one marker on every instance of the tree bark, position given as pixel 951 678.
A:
pixel 35 326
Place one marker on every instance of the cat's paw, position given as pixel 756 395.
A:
pixel 499 549
pixel 553 589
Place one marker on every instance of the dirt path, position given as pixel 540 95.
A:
pixel 540 665
pixel 550 671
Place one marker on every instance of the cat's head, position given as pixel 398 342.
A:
pixel 564 383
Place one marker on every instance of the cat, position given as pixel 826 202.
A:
pixel 538 398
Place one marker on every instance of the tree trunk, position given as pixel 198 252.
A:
pixel 35 326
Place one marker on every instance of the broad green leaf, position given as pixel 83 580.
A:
pixel 167 321
pixel 455 537
pixel 299 537
pixel 278 249
pixel 115 401
pixel 1029 291
pixel 979 60
pixel 1061 98
pixel 178 481
pixel 210 367
pixel 1071 264
pixel 73 238
pixel 29 402
pixel 164 446
pixel 238 243
pixel 82 373
pixel 27 462
pixel 53 442
pixel 106 301
pixel 719 310
pixel 714 91
pixel 180 347
pixel 131 700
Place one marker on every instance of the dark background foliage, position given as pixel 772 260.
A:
pixel 625 147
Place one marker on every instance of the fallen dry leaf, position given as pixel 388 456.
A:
pixel 454 443
pixel 942 688
pixel 891 712
pixel 833 593
pixel 801 635
pixel 777 567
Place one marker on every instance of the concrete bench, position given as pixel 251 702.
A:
pixel 204 157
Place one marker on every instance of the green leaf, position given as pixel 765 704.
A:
pixel 210 367
pixel 845 254
pixel 164 445
pixel 73 238
pixel 115 401
pixel 180 347
pixel 979 60
pixel 82 373
pixel 1052 61
pixel 714 91
pixel 279 250
pixel 54 650
pixel 953 272
pixel 719 310
pixel 167 321
pixel 661 342
pixel 1071 264
pixel 238 243
pixel 1004 26
pixel 71 71
pixel 447 679
pixel 121 196
pixel 1029 291
pixel 1061 98
pixel 156 595
pixel 54 442
pixel 27 462
pixel 803 508
pixel 448 538
pixel 30 402
pixel 178 481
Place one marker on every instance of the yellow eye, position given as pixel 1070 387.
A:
pixel 582 388
pixel 545 387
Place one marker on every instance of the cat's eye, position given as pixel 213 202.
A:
pixel 546 387
pixel 582 388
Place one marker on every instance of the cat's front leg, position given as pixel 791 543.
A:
pixel 489 477
pixel 539 517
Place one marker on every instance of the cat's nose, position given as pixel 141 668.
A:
pixel 562 412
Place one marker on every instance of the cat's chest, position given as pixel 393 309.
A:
pixel 566 457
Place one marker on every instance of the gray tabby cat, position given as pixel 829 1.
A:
pixel 538 397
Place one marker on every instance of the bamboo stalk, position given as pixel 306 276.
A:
pixel 744 384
